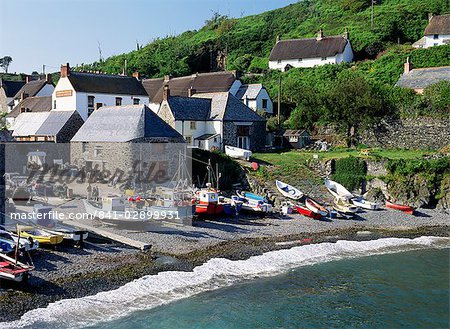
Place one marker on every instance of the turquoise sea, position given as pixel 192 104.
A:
pixel 384 283
pixel 403 290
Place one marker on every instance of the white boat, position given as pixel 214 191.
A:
pixel 253 202
pixel 315 207
pixel 238 153
pixel 344 207
pixel 365 204
pixel 337 190
pixel 288 191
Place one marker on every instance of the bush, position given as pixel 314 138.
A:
pixel 350 172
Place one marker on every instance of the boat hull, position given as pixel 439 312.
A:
pixel 288 191
pixel 406 209
pixel 361 203
pixel 307 212
pixel 315 207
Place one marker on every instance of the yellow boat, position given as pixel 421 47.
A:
pixel 40 235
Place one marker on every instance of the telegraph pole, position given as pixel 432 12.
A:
pixel 279 100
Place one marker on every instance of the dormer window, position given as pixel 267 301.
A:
pixel 300 59
pixel 435 36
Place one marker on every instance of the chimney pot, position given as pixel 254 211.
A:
pixel 319 35
pixel 430 16
pixel 23 95
pixel 346 35
pixel 191 92
pixel 65 70
pixel 27 79
pixel 278 38
pixel 166 78
pixel 408 66
pixel 49 78
pixel 136 75
pixel 166 93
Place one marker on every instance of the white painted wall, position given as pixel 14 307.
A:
pixel 79 100
pixel 430 41
pixel 345 56
pixel 257 104
pixel 154 107
pixel 202 127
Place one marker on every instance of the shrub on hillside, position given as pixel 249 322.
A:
pixel 350 172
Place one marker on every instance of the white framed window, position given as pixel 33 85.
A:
pixel 264 103
pixel 136 101
pixel 98 150
pixel 118 101
pixel 279 61
pixel 324 58
pixel 293 139
pixel 189 140
pixel 300 59
pixel 193 125
pixel 84 147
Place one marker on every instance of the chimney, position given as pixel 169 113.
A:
pixel 166 78
pixel 278 38
pixel 408 66
pixel 49 78
pixel 166 93
pixel 23 110
pixel 65 70
pixel 136 75
pixel 27 79
pixel 23 95
pixel 430 16
pixel 345 35
pixel 319 35
pixel 191 92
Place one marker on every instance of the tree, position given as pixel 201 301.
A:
pixel 4 62
pixel 438 96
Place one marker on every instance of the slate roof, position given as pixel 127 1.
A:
pixel 27 124
pixel 32 104
pixel 11 87
pixel 422 78
pixel 294 132
pixel 438 25
pixel 191 109
pixel 31 88
pixel 55 121
pixel 124 124
pixel 201 82
pixel 107 84
pixel 249 91
pixel 226 107
pixel 5 136
pixel 308 48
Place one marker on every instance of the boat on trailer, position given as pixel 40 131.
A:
pixel 288 191
pixel 316 207
pixel 404 208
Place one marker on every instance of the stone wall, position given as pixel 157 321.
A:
pixel 257 134
pixel 419 133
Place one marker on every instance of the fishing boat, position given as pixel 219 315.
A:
pixel 307 212
pixel 208 203
pixel 344 207
pixel 42 218
pixel 112 210
pixel 365 204
pixel 337 190
pixel 254 202
pixel 406 209
pixel 238 153
pixel 315 207
pixel 288 191
pixel 13 270
pixel 24 244
pixel 40 235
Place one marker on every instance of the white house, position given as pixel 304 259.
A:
pixel 437 32
pixel 310 52
pixel 187 86
pixel 32 88
pixel 256 97
pixel 212 120
pixel 86 92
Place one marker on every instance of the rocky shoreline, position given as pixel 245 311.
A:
pixel 73 273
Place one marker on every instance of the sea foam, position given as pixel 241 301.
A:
pixel 165 287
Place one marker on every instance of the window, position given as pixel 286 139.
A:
pixel 118 101
pixel 243 130
pixel 189 140
pixel 435 36
pixel 279 61
pixel 54 104
pixel 264 103
pixel 300 59
pixel 435 44
pixel 193 125
pixel 91 101
pixel 98 151
pixel 293 139
pixel 84 147
pixel 136 101
pixel 324 58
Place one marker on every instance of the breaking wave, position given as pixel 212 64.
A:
pixel 165 287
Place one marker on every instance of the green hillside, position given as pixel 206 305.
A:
pixel 248 40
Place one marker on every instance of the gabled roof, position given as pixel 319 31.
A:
pixel 295 132
pixel 191 109
pixel 27 124
pixel 226 107
pixel 107 84
pixel 55 121
pixel 124 124
pixel 308 48
pixel 249 91
pixel 438 25
pixel 31 88
pixel 32 104
pixel 200 82
pixel 422 78
pixel 11 87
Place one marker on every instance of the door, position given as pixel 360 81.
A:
pixel 243 142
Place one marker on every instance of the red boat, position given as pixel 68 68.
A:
pixel 11 269
pixel 405 209
pixel 208 203
pixel 308 213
